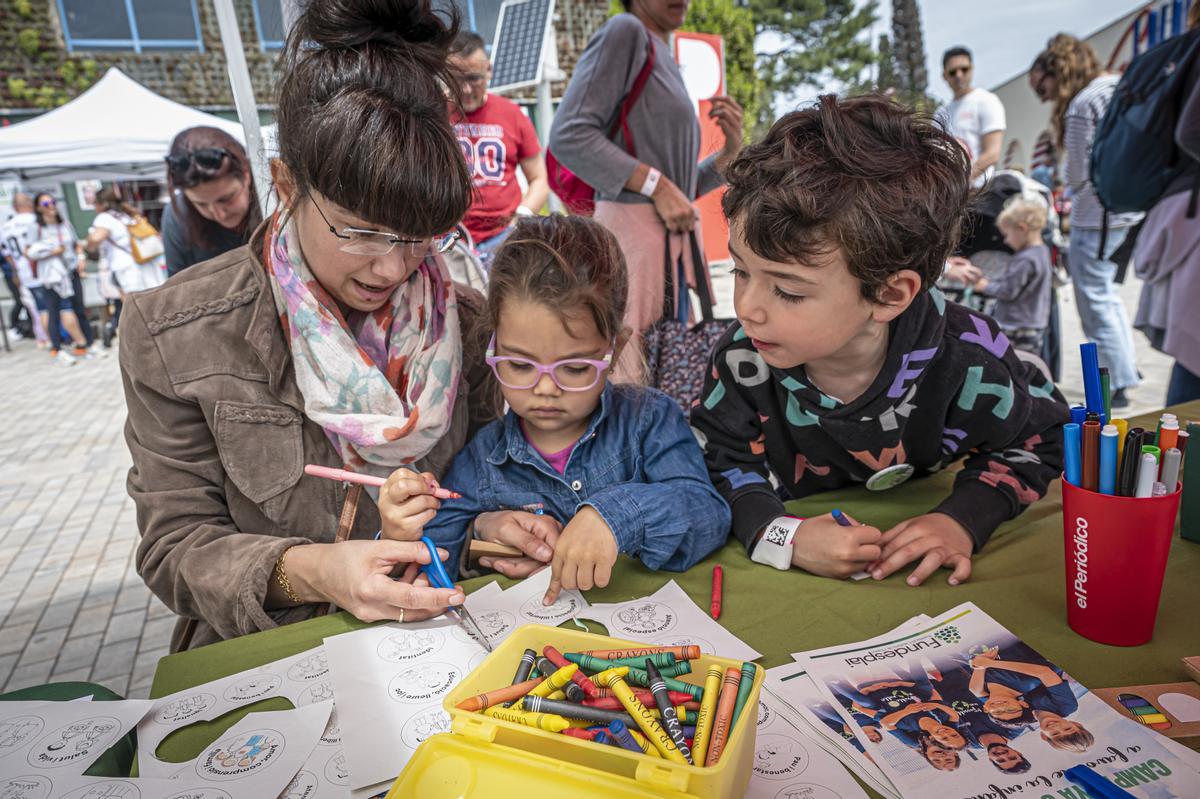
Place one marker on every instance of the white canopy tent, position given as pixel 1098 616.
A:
pixel 117 130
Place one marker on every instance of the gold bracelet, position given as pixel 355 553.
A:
pixel 282 578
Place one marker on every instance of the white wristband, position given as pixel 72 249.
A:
pixel 523 211
pixel 651 183
pixel 775 546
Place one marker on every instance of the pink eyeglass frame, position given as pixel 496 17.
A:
pixel 492 359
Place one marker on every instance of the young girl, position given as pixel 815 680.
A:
pixel 579 469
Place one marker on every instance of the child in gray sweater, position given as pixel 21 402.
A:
pixel 1023 289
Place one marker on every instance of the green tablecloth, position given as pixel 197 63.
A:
pixel 1018 580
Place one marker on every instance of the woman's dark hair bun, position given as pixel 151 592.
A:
pixel 354 23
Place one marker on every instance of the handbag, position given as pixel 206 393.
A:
pixel 676 351
pixel 577 195
pixel 145 242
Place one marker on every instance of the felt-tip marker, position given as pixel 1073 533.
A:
pixel 1108 460
pixel 1072 469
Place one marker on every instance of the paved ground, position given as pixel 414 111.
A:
pixel 72 606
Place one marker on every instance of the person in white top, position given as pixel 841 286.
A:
pixel 14 238
pixel 975 116
pixel 110 232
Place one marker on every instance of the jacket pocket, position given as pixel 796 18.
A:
pixel 261 447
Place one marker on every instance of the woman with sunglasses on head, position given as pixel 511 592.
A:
pixel 333 338
pixel 56 255
pixel 214 206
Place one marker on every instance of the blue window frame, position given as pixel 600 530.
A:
pixel 268 21
pixel 130 25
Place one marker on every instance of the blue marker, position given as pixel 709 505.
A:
pixel 1108 459
pixel 1095 784
pixel 1078 414
pixel 1073 470
pixel 840 518
pixel 1091 379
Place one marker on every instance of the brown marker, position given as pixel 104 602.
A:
pixel 1090 455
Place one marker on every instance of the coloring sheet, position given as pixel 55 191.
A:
pixel 390 681
pixel 498 612
pixel 963 708
pixel 45 786
pixel 62 738
pixel 669 618
pixel 262 754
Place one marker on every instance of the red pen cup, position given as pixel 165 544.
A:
pixel 1116 555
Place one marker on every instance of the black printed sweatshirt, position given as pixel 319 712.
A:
pixel 951 387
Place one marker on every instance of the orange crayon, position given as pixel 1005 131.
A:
pixel 508 693
pixel 690 652
pixel 720 733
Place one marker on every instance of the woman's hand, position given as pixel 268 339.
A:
pixel 728 115
pixel 406 504
pixel 357 577
pixel 674 209
pixel 584 556
pixel 534 535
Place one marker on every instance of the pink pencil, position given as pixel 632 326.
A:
pixel 330 473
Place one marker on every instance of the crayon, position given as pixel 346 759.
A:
pixel 645 722
pixel 689 730
pixel 554 682
pixel 1078 414
pixel 1171 460
pixel 508 694
pixel 620 733
pixel 743 694
pixel 1090 456
pixel 525 666
pixel 579 678
pixel 542 721
pixel 721 723
pixel 638 676
pixel 1147 472
pixel 718 585
pixel 559 695
pixel 573 692
pixel 1108 460
pixel 661 660
pixel 1122 429
pixel 569 710
pixel 689 652
pixel 1072 465
pixel 670 718
pixel 643 695
pixel 708 709
pixel 643 743
pixel 586 735
pixel 602 737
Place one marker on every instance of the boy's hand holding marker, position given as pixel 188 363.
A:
pixel 824 546
pixel 534 534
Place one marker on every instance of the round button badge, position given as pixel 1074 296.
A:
pixel 890 477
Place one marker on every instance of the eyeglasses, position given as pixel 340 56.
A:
pixel 47 203
pixel 958 71
pixel 358 241
pixel 208 159
pixel 572 374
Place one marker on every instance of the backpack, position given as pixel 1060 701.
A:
pixel 1134 155
pixel 145 243
pixel 578 196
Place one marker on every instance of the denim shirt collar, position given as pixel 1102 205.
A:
pixel 513 443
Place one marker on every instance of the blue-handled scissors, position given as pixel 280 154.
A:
pixel 435 572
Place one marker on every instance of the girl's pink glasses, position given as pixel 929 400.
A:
pixel 573 374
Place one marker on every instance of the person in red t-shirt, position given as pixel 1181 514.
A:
pixel 496 136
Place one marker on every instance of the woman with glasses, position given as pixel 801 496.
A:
pixel 55 257
pixel 1068 74
pixel 333 338
pixel 214 206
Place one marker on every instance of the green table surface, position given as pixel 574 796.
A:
pixel 1018 580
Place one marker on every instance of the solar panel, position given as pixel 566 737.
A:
pixel 520 38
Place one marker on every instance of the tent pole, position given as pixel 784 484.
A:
pixel 243 97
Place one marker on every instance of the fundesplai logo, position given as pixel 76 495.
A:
pixel 912 647
pixel 1079 555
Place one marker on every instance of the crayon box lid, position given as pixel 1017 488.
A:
pixel 494 755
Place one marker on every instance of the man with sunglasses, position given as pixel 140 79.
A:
pixel 496 137
pixel 975 117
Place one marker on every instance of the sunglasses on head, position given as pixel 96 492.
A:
pixel 208 159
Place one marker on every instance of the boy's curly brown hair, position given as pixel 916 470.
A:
pixel 868 176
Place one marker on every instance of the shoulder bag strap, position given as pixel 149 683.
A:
pixel 668 307
pixel 639 83
pixel 700 275
pixel 345 526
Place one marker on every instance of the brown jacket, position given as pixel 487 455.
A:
pixel 219 440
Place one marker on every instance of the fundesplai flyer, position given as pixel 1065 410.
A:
pixel 960 708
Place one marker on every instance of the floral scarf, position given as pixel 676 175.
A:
pixel 382 384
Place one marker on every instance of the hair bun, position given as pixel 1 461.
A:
pixel 395 23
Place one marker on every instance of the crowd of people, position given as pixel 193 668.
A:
pixel 331 331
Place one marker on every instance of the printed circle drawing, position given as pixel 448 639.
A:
pixel 805 790
pixel 423 683
pixel 566 606
pixel 255 686
pixel 113 789
pixel 336 770
pixel 321 692
pixel 405 645
pixel 777 757
pixel 645 618
pixel 240 755
pixel 686 640
pixel 765 714
pixel 332 736
pixel 302 786
pixel 28 786
pixel 203 792
pixel 75 742
pixel 426 723
pixel 493 623
pixel 184 708
pixel 312 667
pixel 16 730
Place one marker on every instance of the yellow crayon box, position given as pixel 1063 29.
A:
pixel 494 758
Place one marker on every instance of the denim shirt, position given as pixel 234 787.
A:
pixel 637 464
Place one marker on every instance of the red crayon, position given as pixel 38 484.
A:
pixel 575 732
pixel 718 580
pixel 678 699
pixel 578 677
